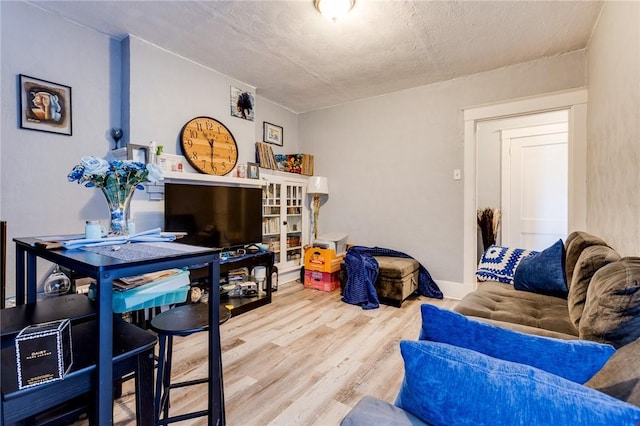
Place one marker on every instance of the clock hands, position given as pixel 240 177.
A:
pixel 211 145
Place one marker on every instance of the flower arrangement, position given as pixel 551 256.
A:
pixel 118 180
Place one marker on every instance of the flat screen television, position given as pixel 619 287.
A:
pixel 214 216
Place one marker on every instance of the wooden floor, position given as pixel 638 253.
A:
pixel 305 359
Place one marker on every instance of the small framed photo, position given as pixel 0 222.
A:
pixel 253 171
pixel 272 133
pixel 44 106
pixel 139 153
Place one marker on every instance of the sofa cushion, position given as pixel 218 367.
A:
pixel 591 259
pixel 372 411
pixel 612 310
pixel 500 302
pixel 499 263
pixel 620 376
pixel 575 360
pixel 543 272
pixel 527 329
pixel 575 243
pixel 448 385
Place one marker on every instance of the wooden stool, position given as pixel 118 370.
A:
pixel 181 321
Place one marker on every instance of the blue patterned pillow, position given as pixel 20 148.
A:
pixel 499 263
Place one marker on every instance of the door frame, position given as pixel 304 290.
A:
pixel 575 101
pixel 506 138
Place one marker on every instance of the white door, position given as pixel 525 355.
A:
pixel 535 186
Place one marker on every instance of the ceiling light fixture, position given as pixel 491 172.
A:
pixel 334 9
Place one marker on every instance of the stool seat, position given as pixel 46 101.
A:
pixel 185 320
pixel 181 321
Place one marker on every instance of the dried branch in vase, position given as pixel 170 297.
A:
pixel 489 223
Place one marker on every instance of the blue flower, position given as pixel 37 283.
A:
pixel 98 172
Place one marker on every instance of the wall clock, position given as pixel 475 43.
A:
pixel 209 146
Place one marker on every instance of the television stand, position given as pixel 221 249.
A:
pixel 240 305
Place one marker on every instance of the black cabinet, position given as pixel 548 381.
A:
pixel 239 305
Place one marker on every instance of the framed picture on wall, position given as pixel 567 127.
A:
pixel 139 153
pixel 242 104
pixel 272 133
pixel 253 171
pixel 44 106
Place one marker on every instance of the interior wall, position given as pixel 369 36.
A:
pixel 390 159
pixel 167 90
pixel 36 198
pixel 613 154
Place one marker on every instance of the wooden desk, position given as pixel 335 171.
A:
pixel 104 269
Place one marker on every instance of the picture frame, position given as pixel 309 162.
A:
pixel 272 133
pixel 45 106
pixel 139 153
pixel 242 104
pixel 253 171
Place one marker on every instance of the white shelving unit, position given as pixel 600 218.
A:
pixel 285 219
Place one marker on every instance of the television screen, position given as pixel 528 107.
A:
pixel 213 216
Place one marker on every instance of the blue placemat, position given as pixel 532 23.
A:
pixel 142 251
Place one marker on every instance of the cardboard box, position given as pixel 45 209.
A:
pixel 325 281
pixel 322 260
pixel 43 353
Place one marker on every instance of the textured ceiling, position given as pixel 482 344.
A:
pixel 298 59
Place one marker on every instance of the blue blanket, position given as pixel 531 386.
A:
pixel 362 272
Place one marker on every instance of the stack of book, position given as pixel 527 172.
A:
pixel 264 156
pixel 238 275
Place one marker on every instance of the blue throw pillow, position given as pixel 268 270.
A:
pixel 543 272
pixel 499 263
pixel 448 385
pixel 575 360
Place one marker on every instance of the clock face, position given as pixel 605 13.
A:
pixel 209 146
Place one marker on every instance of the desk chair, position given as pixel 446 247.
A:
pixel 181 321
pixel 132 353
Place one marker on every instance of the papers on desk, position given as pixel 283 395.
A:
pixel 152 235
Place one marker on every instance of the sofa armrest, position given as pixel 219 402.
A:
pixel 373 411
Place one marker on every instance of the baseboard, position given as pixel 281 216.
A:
pixel 289 275
pixel 455 290
pixel 450 289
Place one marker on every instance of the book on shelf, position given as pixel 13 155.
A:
pixel 240 274
pixel 265 157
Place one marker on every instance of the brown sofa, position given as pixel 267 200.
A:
pixel 602 305
pixel 603 302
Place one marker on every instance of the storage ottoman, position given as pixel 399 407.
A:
pixel 397 279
